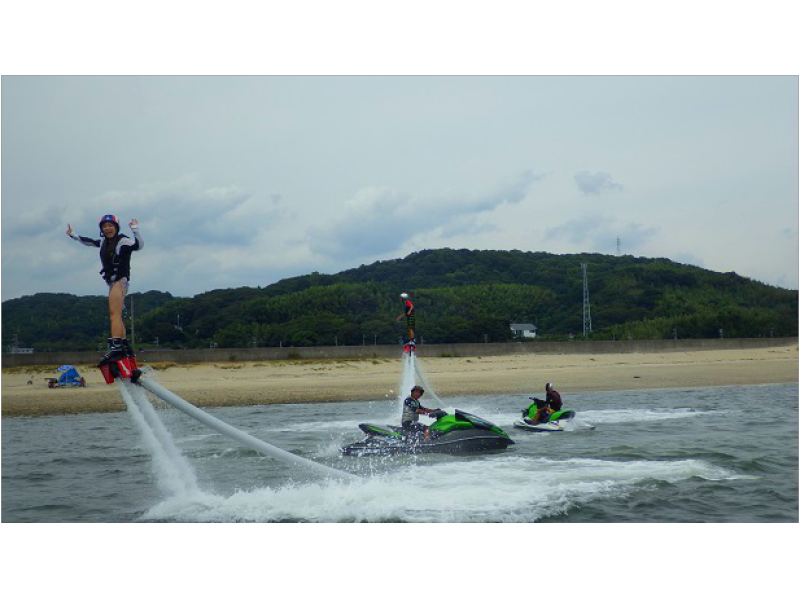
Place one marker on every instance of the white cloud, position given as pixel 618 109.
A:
pixel 596 183
pixel 194 236
pixel 596 232
pixel 378 220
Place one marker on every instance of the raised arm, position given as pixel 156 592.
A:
pixel 128 245
pixel 134 224
pixel 83 240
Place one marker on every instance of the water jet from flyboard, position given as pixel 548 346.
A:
pixel 237 435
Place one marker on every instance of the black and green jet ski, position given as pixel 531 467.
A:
pixel 558 421
pixel 460 432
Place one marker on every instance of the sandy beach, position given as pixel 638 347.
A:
pixel 25 391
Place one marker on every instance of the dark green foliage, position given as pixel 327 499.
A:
pixel 60 322
pixel 460 295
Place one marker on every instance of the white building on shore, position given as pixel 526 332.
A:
pixel 524 330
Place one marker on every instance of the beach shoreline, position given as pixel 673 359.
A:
pixel 25 391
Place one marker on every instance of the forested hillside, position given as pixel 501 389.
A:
pixel 60 321
pixel 460 296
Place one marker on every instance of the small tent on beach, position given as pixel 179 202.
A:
pixel 70 376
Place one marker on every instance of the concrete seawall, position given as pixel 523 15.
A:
pixel 393 351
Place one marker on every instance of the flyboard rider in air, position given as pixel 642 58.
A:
pixel 115 257
pixel 408 312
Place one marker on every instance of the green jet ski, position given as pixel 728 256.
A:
pixel 460 432
pixel 557 422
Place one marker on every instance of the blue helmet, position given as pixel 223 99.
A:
pixel 109 218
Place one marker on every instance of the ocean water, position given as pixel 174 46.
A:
pixel 723 454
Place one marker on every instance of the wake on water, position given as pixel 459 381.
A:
pixel 444 489
pixel 174 474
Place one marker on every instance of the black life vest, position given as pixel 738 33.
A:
pixel 116 265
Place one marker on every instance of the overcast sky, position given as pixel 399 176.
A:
pixel 243 181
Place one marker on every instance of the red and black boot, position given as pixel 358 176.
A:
pixel 119 361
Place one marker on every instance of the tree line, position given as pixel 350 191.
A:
pixel 460 296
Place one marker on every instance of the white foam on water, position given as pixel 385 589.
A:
pixel 608 416
pixel 333 427
pixel 333 447
pixel 196 438
pixel 174 475
pixel 509 488
pixel 230 452
pixel 432 488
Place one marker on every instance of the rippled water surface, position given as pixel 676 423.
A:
pixel 685 455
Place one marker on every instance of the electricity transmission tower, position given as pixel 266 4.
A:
pixel 587 312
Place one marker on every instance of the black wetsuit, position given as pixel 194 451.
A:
pixel 115 254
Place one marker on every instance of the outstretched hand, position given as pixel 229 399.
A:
pixel 69 230
pixel 134 223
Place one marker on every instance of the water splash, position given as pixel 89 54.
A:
pixel 407 382
pixel 428 387
pixel 174 474
pixel 446 490
pixel 641 415
pixel 237 434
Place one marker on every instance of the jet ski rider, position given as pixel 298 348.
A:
pixel 411 410
pixel 553 398
pixel 540 411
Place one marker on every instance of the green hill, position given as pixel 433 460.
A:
pixel 460 296
pixel 60 321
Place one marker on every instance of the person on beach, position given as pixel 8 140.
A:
pixel 411 412
pixel 408 312
pixel 115 257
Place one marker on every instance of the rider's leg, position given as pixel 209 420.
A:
pixel 116 301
